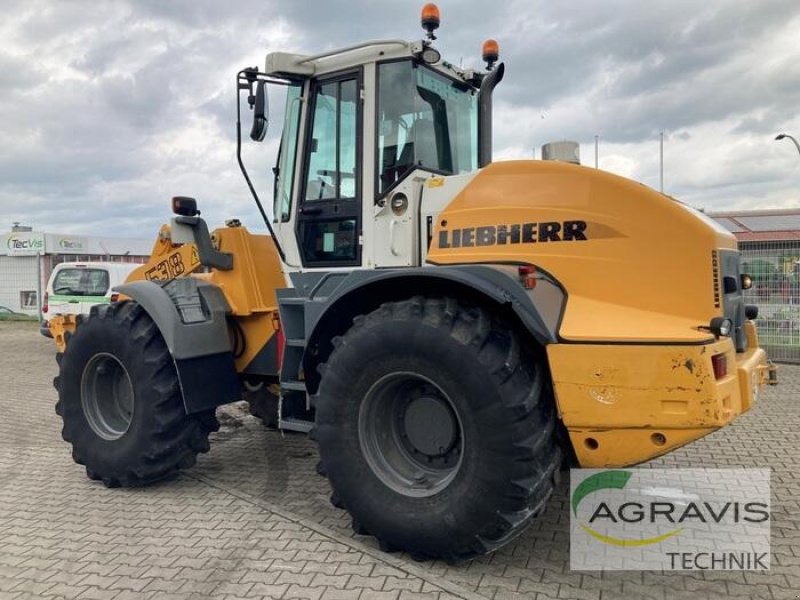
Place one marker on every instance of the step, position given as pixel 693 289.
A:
pixel 293 386
pixel 295 425
pixel 292 301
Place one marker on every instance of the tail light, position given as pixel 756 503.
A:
pixel 114 297
pixel 45 306
pixel 719 362
pixel 527 276
pixel 281 339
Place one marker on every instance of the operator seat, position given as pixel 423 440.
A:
pixel 421 148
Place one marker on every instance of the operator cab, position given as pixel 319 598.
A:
pixel 364 128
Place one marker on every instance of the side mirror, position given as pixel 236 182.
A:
pixel 260 110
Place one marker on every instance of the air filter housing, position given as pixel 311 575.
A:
pixel 565 151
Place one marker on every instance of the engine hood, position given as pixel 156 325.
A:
pixel 636 265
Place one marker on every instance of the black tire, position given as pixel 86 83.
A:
pixel 263 405
pixel 470 501
pixel 120 401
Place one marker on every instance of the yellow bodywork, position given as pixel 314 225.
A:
pixel 167 260
pixel 249 287
pixel 624 404
pixel 632 373
pixel 60 327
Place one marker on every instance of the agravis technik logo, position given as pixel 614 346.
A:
pixel 666 519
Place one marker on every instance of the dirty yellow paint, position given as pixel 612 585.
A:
pixel 60 326
pixel 435 182
pixel 250 286
pixel 614 398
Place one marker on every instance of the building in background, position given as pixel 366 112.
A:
pixel 769 241
pixel 27 258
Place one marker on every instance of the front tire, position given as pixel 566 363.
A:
pixel 121 403
pixel 435 429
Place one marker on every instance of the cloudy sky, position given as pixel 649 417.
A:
pixel 107 109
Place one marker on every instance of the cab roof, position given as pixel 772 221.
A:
pixel 287 65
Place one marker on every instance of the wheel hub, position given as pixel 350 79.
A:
pixel 430 426
pixel 410 434
pixel 107 396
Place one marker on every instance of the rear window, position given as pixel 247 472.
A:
pixel 81 282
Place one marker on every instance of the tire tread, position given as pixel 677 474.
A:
pixel 519 377
pixel 173 438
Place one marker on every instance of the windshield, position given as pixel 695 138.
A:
pixel 284 173
pixel 425 120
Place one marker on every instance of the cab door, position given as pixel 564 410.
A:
pixel 329 222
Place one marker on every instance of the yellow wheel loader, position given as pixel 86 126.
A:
pixel 451 331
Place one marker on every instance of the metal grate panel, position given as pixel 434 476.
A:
pixel 775 268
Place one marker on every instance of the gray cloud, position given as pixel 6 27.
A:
pixel 108 109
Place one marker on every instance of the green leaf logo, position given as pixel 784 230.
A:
pixel 610 480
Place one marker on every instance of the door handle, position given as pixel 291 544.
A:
pixel 310 211
pixel 392 225
pixel 74 301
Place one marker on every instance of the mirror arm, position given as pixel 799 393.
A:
pixel 244 74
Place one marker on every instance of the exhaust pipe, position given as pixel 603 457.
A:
pixel 488 84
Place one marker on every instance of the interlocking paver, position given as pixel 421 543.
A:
pixel 304 592
pixel 339 594
pixel 295 578
pixel 212 531
pixel 374 595
pixel 325 580
pixel 400 584
pixel 263 590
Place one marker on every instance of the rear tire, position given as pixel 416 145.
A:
pixel 121 403
pixel 435 428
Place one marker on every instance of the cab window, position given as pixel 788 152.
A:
pixel 425 120
pixel 332 159
pixel 284 174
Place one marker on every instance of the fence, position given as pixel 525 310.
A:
pixel 775 268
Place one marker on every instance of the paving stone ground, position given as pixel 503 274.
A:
pixel 253 519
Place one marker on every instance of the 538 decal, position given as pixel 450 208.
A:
pixel 173 265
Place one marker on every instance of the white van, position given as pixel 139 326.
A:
pixel 75 287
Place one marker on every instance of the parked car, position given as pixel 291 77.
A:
pixel 75 287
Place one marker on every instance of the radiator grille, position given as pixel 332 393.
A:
pixel 715 270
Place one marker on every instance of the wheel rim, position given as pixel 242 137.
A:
pixel 107 396
pixel 410 434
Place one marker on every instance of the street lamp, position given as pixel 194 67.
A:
pixel 786 135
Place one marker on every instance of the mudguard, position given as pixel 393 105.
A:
pixel 330 296
pixel 191 316
pixel 324 291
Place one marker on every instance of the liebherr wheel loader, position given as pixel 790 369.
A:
pixel 451 331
